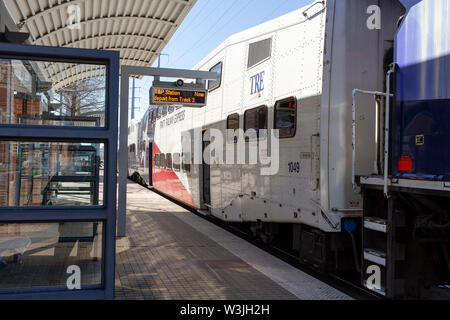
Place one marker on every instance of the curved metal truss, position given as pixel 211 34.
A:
pixel 139 29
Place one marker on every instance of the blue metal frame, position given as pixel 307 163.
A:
pixel 107 135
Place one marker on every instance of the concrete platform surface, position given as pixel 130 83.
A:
pixel 170 253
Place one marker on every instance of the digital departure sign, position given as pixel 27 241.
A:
pixel 171 96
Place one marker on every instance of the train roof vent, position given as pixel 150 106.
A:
pixel 259 51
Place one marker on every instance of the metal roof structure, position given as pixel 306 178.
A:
pixel 139 29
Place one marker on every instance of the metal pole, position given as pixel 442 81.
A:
pixel 159 58
pixel 60 102
pixel 123 155
pixel 132 99
pixel 386 130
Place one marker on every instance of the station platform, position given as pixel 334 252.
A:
pixel 170 253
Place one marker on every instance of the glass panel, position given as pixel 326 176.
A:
pixel 162 160
pixel 250 120
pixel 176 161
pixel 50 255
pixel 151 119
pixel 213 84
pixel 52 93
pixel 232 124
pixel 185 157
pixel 262 118
pixel 255 118
pixel 168 161
pixel 158 113
pixel 157 160
pixel 285 117
pixel 259 51
pixel 51 173
pixel 233 121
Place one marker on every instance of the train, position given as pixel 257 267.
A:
pixel 343 102
pixel 140 141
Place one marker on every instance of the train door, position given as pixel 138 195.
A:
pixel 206 172
pixel 150 163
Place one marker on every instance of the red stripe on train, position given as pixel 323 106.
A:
pixel 168 182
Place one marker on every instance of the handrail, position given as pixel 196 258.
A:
pixel 304 12
pixel 376 94
pixel 386 128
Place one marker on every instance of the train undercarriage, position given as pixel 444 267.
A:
pixel 403 240
pixel 408 237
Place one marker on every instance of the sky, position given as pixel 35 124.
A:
pixel 207 25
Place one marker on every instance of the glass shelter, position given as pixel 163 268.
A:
pixel 58 165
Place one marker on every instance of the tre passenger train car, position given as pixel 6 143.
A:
pixel 361 183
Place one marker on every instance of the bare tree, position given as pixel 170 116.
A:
pixel 84 97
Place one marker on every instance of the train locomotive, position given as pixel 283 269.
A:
pixel 358 104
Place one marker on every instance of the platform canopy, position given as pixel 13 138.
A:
pixel 139 29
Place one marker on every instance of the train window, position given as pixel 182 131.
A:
pixel 162 160
pixel 158 113
pixel 250 120
pixel 132 148
pixel 171 109
pixel 262 117
pixel 285 117
pixel 186 165
pixel 168 161
pixel 156 160
pixel 164 111
pixel 233 121
pixel 255 118
pixel 214 84
pixel 232 124
pixel 259 51
pixel 176 162
pixel 152 117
